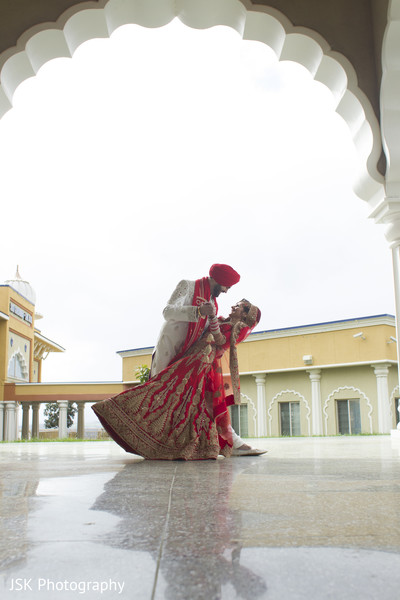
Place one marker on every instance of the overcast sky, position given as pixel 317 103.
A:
pixel 153 154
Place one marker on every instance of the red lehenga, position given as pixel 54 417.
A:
pixel 181 413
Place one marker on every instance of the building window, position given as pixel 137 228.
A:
pixel 239 419
pixel 290 418
pixel 348 417
pixel 15 368
pixel 396 410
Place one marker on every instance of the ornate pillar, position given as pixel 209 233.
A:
pixel 9 433
pixel 316 423
pixel 16 419
pixel 62 419
pixel 35 420
pixel 25 420
pixel 1 421
pixel 261 405
pixel 382 387
pixel 81 420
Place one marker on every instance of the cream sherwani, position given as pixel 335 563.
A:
pixel 178 313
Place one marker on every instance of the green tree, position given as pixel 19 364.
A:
pixel 52 412
pixel 143 373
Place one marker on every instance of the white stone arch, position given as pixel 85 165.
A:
pixel 83 22
pixel 352 389
pixel 250 401
pixel 279 395
pixel 390 104
pixel 18 356
pixel 395 391
pixel 388 211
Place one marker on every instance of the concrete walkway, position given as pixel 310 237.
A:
pixel 315 518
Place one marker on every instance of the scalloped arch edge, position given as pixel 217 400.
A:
pixel 83 22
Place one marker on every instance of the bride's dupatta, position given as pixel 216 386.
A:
pixel 229 361
pixel 226 388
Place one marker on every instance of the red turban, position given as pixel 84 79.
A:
pixel 224 275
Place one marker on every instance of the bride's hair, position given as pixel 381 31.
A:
pixel 253 314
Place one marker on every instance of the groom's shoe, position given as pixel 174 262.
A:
pixel 246 450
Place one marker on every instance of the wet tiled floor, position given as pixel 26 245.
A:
pixel 315 518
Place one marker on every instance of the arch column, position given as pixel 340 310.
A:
pixel 81 420
pixel 35 419
pixel 25 420
pixel 62 418
pixel 261 405
pixel 382 387
pixel 388 213
pixel 388 210
pixel 9 426
pixel 316 421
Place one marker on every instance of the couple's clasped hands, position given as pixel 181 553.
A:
pixel 207 310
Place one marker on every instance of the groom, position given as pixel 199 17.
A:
pixel 186 317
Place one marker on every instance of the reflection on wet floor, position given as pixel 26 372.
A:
pixel 187 527
pixel 313 518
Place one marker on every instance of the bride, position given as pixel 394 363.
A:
pixel 182 413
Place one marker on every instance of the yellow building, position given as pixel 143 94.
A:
pixel 320 379
pixel 23 348
pixel 22 345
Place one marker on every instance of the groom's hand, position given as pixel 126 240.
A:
pixel 207 310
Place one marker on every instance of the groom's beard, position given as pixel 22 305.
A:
pixel 217 290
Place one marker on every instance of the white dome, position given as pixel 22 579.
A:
pixel 22 287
